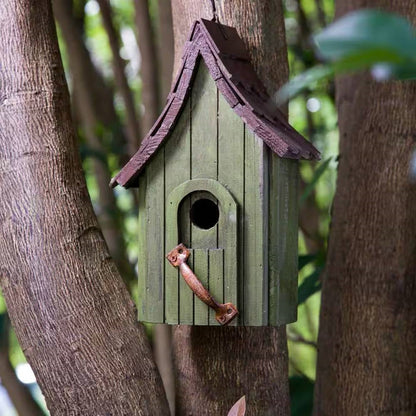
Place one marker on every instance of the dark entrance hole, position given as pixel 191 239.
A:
pixel 204 213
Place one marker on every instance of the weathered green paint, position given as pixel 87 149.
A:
pixel 231 175
pixel 177 171
pixel 155 285
pixel 255 243
pixel 227 221
pixel 250 257
pixel 142 274
pixel 204 126
pixel 216 279
pixel 201 270
pixel 283 240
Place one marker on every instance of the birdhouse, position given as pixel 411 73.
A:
pixel 218 194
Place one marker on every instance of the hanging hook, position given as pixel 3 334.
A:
pixel 214 11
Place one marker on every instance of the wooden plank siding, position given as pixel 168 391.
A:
pixel 204 157
pixel 142 275
pixel 155 222
pixel 255 274
pixel 179 302
pixel 283 240
pixel 210 141
pixel 231 175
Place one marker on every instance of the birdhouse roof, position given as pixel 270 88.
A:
pixel 228 62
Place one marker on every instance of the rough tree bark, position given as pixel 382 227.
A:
pixel 148 64
pixel 367 338
pixel 93 101
pixel 216 366
pixel 132 122
pixel 70 309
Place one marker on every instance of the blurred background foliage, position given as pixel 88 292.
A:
pixel 107 130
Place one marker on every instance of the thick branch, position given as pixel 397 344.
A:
pixel 367 335
pixel 216 366
pixel 94 107
pixel 70 309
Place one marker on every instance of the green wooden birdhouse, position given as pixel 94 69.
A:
pixel 218 190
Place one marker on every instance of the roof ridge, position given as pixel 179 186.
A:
pixel 228 62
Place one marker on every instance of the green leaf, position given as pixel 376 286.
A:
pixel 301 396
pixel 311 185
pixel 305 259
pixel 385 36
pixel 363 39
pixel 307 79
pixel 309 286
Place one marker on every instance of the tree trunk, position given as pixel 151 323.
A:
pixel 162 351
pixel 216 366
pixel 132 122
pixel 70 309
pixel 148 64
pixel 94 106
pixel 166 51
pixel 367 338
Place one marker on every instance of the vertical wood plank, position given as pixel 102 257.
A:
pixel 155 204
pixel 201 270
pixel 231 175
pixel 255 240
pixel 204 125
pixel 186 297
pixel 204 152
pixel 178 309
pixel 204 144
pixel 216 280
pixel 283 240
pixel 142 252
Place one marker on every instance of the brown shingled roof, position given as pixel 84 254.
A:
pixel 228 62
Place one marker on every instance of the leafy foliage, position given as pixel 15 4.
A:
pixel 301 396
pixel 374 39
pixel 310 285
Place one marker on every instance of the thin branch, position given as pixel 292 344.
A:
pixel 148 69
pixel 18 393
pixel 166 47
pixel 132 121
pixel 296 337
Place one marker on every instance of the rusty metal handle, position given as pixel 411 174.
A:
pixel 224 312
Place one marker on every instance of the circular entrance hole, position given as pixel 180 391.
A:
pixel 204 213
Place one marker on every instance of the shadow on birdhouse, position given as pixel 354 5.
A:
pixel 218 190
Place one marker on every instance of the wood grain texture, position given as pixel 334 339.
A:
pixel 70 309
pixel 155 240
pixel 177 170
pixel 283 239
pixel 367 338
pixel 231 175
pixel 255 241
pixel 216 366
